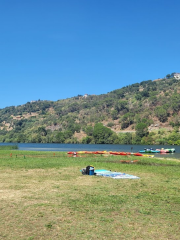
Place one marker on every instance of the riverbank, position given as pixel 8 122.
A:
pixel 8 147
pixel 45 196
pixel 60 147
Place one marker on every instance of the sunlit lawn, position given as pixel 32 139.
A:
pixel 43 195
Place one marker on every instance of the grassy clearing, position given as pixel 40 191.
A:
pixel 44 196
pixel 8 147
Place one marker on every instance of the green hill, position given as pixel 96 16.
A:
pixel 144 113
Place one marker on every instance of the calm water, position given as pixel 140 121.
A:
pixel 93 147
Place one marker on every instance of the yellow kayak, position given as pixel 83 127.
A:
pixel 82 152
pixel 145 155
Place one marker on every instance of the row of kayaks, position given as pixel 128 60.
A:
pixel 110 152
pixel 102 152
pixel 162 150
pixel 140 153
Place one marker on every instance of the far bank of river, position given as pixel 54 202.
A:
pixel 93 147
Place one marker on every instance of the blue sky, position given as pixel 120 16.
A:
pixel 56 49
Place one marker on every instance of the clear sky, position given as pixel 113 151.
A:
pixel 57 49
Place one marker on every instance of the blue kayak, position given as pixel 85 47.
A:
pixel 149 151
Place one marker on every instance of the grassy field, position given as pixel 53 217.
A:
pixel 8 147
pixel 43 195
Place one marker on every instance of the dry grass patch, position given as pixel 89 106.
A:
pixel 61 203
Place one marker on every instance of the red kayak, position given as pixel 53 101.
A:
pixel 120 153
pixel 100 152
pixel 115 153
pixel 138 154
pixel 123 153
pixel 74 153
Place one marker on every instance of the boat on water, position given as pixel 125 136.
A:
pixel 171 150
pixel 167 150
pixel 149 150
pixel 162 150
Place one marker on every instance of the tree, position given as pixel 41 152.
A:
pixel 60 137
pixel 161 113
pixel 121 105
pixel 73 107
pixel 138 96
pixel 144 93
pixel 67 134
pixel 172 74
pixel 168 76
pixel 89 130
pixel 102 134
pixel 42 131
pixel 175 102
pixel 141 130
pixel 127 119
pixel 114 114
pixel 147 140
pixel 77 127
pixel 87 140
pixel 125 138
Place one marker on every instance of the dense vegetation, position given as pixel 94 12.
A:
pixel 142 113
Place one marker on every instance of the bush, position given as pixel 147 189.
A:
pixel 110 124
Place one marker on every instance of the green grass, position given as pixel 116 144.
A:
pixel 45 196
pixel 8 147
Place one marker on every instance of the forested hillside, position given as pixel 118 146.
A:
pixel 142 113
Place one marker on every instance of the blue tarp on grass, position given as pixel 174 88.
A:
pixel 115 175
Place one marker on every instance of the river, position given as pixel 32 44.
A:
pixel 94 147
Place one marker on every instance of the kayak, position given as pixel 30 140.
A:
pixel 82 152
pixel 115 153
pixel 119 153
pixel 138 154
pixel 123 153
pixel 72 153
pixel 146 155
pixel 149 151
pixel 168 150
pixel 100 152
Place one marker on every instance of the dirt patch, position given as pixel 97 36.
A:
pixel 80 135
pixel 51 110
pixel 6 126
pixel 53 127
pixel 24 116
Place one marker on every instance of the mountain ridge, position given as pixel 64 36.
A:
pixel 153 103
